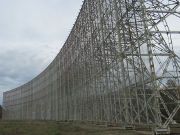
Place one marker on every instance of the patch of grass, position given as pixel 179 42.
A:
pixel 57 128
pixel 28 128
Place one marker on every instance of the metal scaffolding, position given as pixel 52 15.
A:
pixel 117 65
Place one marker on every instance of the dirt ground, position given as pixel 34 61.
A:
pixel 61 128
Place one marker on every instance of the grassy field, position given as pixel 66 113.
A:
pixel 59 128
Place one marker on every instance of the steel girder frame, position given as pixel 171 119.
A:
pixel 114 67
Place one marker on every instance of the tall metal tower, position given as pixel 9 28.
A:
pixel 118 65
pixel 149 67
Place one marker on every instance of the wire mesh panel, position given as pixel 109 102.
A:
pixel 117 65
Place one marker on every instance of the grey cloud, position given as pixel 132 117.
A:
pixel 37 18
pixel 31 34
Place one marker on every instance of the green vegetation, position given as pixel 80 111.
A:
pixel 0 112
pixel 58 128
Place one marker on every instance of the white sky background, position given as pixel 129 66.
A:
pixel 32 33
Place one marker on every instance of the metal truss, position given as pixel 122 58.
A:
pixel 117 65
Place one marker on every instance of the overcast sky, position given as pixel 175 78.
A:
pixel 32 33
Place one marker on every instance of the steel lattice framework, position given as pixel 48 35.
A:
pixel 117 65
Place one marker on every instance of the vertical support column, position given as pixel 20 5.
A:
pixel 151 64
pixel 121 59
